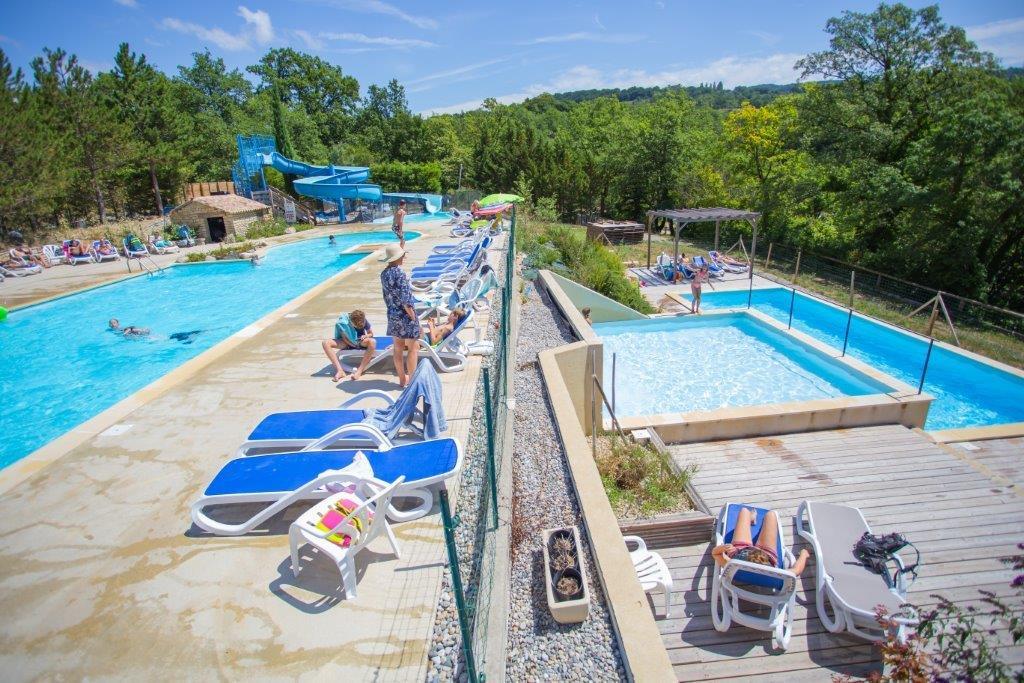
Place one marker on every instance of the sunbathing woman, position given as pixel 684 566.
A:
pixel 436 333
pixel 78 248
pixel 763 551
pixel 106 248
pixel 29 256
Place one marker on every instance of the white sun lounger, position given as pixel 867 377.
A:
pixel 21 272
pixel 851 590
pixel 281 479
pixel 770 587
pixel 448 356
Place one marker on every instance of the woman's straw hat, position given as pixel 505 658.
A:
pixel 393 252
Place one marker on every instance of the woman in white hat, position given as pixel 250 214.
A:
pixel 403 325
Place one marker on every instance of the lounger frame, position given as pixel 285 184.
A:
pixel 846 617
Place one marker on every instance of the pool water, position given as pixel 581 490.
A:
pixel 967 393
pixel 60 366
pixel 668 365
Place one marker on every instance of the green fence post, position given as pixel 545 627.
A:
pixel 491 478
pixel 460 598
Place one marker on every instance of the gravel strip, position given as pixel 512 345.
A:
pixel 538 646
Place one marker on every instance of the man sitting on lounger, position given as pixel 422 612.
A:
pixel 129 330
pixel 763 551
pixel 352 331
pixel 435 334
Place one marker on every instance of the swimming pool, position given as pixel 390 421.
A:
pixel 667 365
pixel 60 366
pixel 967 393
pixel 419 217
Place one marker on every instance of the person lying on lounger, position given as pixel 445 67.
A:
pixel 106 248
pixel 435 333
pixel 763 551
pixel 351 331
pixel 129 330
pixel 78 248
pixel 26 254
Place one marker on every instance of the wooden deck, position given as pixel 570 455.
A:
pixel 960 507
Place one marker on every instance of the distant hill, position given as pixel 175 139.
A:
pixel 711 94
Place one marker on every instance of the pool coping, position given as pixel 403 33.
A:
pixel 1003 430
pixel 52 451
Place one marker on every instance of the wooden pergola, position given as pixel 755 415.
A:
pixel 680 218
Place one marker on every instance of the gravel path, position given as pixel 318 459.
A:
pixel 538 646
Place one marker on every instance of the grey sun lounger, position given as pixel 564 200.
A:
pixel 851 590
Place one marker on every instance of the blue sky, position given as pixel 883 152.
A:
pixel 451 55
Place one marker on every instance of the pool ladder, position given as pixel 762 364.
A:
pixel 147 264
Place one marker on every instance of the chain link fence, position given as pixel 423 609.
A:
pixel 973 325
pixel 469 533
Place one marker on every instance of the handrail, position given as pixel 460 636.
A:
pixel 596 383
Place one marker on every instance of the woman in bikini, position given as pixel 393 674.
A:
pixel 764 551
pixel 436 333
pixel 700 277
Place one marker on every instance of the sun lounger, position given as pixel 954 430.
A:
pixel 845 587
pixel 768 587
pixel 101 257
pixel 282 479
pixel 448 355
pixel 344 427
pixel 20 272
pixel 133 247
pixel 727 266
pixel 75 259
pixel 54 253
pixel 714 270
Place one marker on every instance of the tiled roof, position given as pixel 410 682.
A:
pixel 229 203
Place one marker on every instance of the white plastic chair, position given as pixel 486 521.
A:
pixel 54 253
pixel 651 570
pixel 771 587
pixel 371 522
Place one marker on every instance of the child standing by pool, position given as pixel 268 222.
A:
pixel 398 224
pixel 699 277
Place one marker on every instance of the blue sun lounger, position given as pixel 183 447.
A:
pixel 348 427
pixel 449 355
pixel 731 584
pixel 282 479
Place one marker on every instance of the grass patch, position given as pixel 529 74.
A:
pixel 566 250
pixel 639 481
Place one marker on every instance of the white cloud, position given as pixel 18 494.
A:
pixel 459 71
pixel 597 22
pixel 257 29
pixel 380 7
pixel 1002 38
pixel 585 36
pixel 259 20
pixel 764 36
pixel 127 3
pixel 308 39
pixel 384 41
pixel 731 70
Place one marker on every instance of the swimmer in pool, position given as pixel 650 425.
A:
pixel 330 240
pixel 128 331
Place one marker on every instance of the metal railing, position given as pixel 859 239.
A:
pixel 922 310
pixel 469 534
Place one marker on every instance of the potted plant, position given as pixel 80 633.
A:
pixel 565 580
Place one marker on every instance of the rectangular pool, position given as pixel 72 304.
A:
pixel 686 364
pixel 968 393
pixel 60 366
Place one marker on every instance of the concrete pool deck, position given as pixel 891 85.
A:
pixel 103 575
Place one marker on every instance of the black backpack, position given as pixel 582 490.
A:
pixel 878 552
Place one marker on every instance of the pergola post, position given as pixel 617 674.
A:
pixel 717 225
pixel 753 246
pixel 649 221
pixel 675 231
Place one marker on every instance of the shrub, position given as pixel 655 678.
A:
pixel 402 176
pixel 195 257
pixel 545 209
pixel 268 228
pixel 232 251
pixel 639 480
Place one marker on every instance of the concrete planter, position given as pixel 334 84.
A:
pixel 563 566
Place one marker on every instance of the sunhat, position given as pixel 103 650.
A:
pixel 393 252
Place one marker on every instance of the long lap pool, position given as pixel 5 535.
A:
pixel 968 393
pixel 60 365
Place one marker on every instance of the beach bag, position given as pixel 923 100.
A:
pixel 878 554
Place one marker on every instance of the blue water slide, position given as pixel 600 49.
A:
pixel 332 183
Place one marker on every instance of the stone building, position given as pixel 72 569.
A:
pixel 217 216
